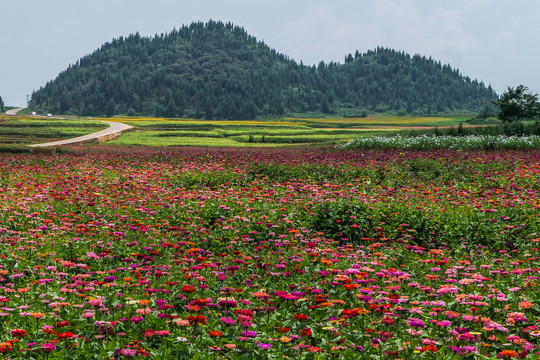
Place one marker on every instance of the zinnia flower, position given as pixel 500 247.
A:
pixel 18 333
pixel 416 323
pixel 249 333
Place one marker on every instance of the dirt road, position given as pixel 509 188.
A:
pixel 115 130
pixel 13 112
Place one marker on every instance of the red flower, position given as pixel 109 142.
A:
pixel 197 320
pixel 244 312
pixel 301 317
pixel 429 348
pixel 306 332
pixel 188 288
pixel 18 333
pixel 66 335
pixel 215 333
pixel 62 323
pixel 283 330
pixel 148 333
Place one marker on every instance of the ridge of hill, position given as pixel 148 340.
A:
pixel 218 71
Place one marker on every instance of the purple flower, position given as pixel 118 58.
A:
pixel 265 346
pixel 249 333
pixel 416 323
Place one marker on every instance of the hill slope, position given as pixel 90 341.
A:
pixel 217 70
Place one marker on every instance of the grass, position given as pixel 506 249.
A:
pixel 223 133
pixel 269 132
pixel 23 130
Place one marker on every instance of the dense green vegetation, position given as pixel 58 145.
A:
pixel 518 104
pixel 1 105
pixel 219 71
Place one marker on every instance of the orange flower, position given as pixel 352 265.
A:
pixel 215 333
pixel 5 347
pixel 285 339
pixel 526 304
pixel 509 353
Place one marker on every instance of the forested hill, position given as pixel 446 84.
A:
pixel 218 71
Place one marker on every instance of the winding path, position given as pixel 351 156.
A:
pixel 13 112
pixel 115 129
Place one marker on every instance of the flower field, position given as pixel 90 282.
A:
pixel 191 253
pixel 425 142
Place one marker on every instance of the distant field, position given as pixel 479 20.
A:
pixel 273 132
pixel 23 131
pixel 232 133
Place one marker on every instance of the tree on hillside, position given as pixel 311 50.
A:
pixel 219 71
pixel 1 105
pixel 517 104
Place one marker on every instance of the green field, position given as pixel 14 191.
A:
pixel 15 131
pixel 270 132
pixel 25 131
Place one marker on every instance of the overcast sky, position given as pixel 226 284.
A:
pixel 494 41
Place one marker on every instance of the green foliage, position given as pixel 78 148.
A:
pixel 14 149
pixel 19 131
pixel 486 116
pixel 342 220
pixel 518 104
pixel 1 105
pixel 218 71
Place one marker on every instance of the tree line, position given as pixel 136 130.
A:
pixel 218 71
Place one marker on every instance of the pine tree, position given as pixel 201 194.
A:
pixel 219 71
pixel 111 108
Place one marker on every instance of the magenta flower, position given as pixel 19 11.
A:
pixel 416 323
pixel 48 347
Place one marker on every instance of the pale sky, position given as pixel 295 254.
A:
pixel 494 41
